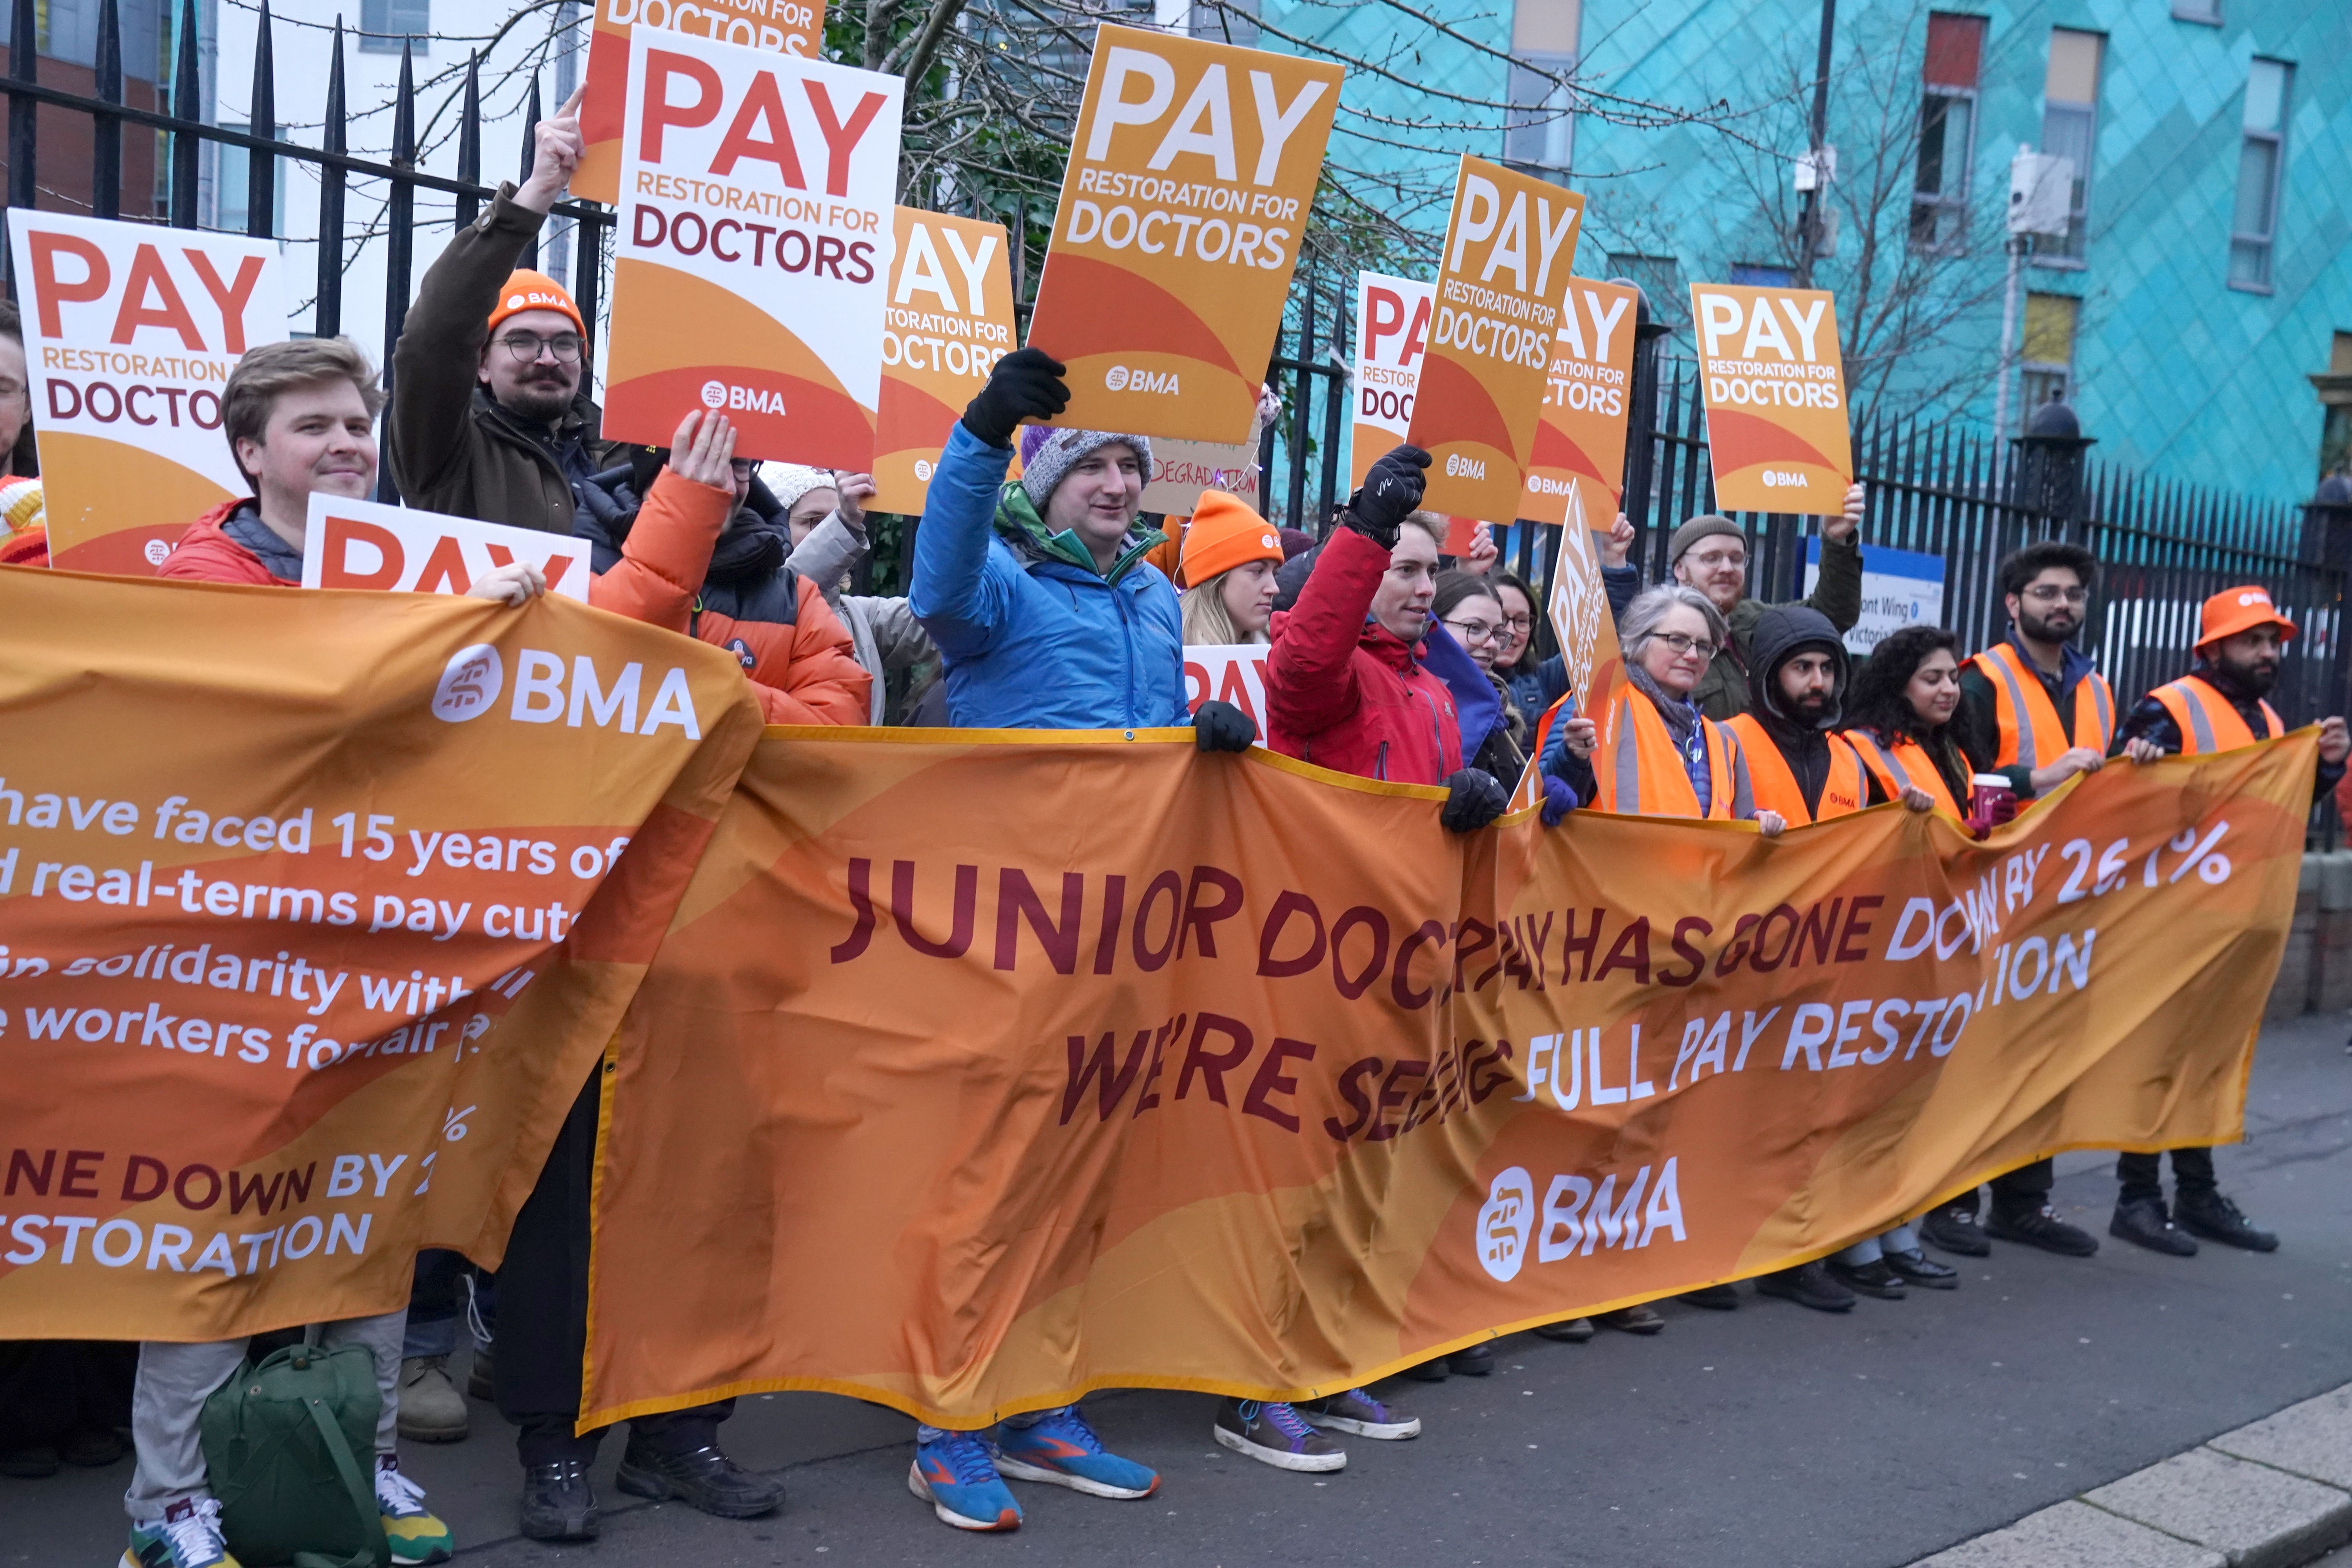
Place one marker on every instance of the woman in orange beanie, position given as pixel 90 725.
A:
pixel 1230 556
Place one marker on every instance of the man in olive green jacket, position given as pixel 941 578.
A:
pixel 1710 553
pixel 490 414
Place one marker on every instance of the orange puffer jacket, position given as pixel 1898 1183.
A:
pixel 798 656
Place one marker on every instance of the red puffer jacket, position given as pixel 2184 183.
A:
pixel 207 555
pixel 1342 692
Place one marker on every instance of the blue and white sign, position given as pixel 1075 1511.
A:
pixel 1899 588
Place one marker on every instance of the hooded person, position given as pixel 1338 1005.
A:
pixel 825 519
pixel 1797 763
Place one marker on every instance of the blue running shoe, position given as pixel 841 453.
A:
pixel 1063 1450
pixel 956 1474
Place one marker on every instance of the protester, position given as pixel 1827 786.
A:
pixel 826 517
pixel 1515 661
pixel 490 416
pixel 1536 684
pixel 24 525
pixel 2222 703
pixel 1901 722
pixel 1230 557
pixel 1038 595
pixel 2032 708
pixel 1470 607
pixel 1709 554
pixel 300 417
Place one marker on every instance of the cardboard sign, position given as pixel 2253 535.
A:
pixel 1181 211
pixel 1509 245
pixel 1775 385
pixel 1180 470
pixel 788 27
pixel 950 320
pixel 361 544
pixel 754 249
pixel 1899 588
pixel 1586 631
pixel 129 332
pixel 1392 317
pixel 1580 433
pixel 1227 672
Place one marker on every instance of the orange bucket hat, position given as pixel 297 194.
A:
pixel 1225 532
pixel 528 291
pixel 2235 610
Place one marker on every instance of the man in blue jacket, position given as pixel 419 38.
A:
pixel 1049 618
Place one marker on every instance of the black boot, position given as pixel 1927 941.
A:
pixel 558 1503
pixel 1955 1230
pixel 2143 1222
pixel 1477 1361
pixel 2041 1228
pixel 2209 1215
pixel 1872 1279
pixel 704 1479
pixel 1714 1297
pixel 1808 1285
pixel 1916 1268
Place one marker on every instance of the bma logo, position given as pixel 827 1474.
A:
pixel 156 552
pixel 1504 1221
pixel 470 683
pixel 1120 378
pixel 719 395
pixel 923 469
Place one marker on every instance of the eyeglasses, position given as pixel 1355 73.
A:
pixel 1711 559
pixel 1683 645
pixel 1474 631
pixel 1517 623
pixel 2045 594
pixel 526 347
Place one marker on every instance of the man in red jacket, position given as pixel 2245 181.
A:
pixel 1349 683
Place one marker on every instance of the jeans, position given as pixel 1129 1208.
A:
pixel 445 1289
pixel 1903 1237
pixel 167 1405
pixel 1018 1423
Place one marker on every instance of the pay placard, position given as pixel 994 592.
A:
pixel 754 249
pixel 1392 317
pixel 950 320
pixel 1775 387
pixel 1580 433
pixel 1509 247
pixel 129 332
pixel 1183 207
pixel 1227 672
pixel 786 27
pixel 363 544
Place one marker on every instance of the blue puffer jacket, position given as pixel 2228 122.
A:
pixel 1034 638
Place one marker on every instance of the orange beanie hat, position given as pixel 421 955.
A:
pixel 1225 533
pixel 528 291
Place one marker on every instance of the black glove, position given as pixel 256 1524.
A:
pixel 1391 492
pixel 1222 727
pixel 1025 384
pixel 1473 799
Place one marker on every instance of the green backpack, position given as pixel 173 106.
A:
pixel 290 1449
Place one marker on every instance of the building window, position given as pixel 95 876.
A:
pixel 1948 123
pixel 2070 129
pixel 1661 281
pixel 1540 130
pixel 384 23
pixel 2197 11
pixel 232 187
pixel 1762 275
pixel 2047 361
pixel 2261 157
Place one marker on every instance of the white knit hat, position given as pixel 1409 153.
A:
pixel 790 481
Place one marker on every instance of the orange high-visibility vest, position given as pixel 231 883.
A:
pixel 1901 766
pixel 1640 771
pixel 2031 735
pixel 2206 720
pixel 1775 783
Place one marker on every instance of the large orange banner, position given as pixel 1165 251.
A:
pixel 316 909
pixel 1778 431
pixel 1509 247
pixel 1183 209
pixel 975 1073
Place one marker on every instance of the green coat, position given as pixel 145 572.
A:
pixel 1722 692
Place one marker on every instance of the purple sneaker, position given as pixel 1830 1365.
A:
pixel 1275 1435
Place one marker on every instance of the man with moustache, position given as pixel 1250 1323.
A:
pixel 2220 705
pixel 2033 707
pixel 490 414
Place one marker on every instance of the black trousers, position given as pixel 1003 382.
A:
pixel 2192 1170
pixel 542 1328
pixel 52 1389
pixel 2021 1191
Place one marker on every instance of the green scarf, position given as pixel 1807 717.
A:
pixel 1017 521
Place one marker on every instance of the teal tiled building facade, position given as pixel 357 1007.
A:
pixel 2198 314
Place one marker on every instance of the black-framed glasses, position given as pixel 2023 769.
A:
pixel 2050 593
pixel 1517 623
pixel 526 347
pixel 1682 644
pixel 1474 631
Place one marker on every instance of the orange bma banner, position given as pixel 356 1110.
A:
pixel 1183 209
pixel 1580 432
pixel 1509 247
pixel 1297 1089
pixel 1777 427
pixel 316 909
pixel 950 320
pixel 789 27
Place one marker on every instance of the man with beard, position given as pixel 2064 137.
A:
pixel 2033 708
pixel 490 416
pixel 1709 554
pixel 2220 705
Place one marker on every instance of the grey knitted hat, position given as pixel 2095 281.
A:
pixel 1047 454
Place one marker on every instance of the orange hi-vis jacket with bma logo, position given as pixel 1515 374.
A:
pixel 2030 734
pixel 1639 770
pixel 1902 767
pixel 1775 783
pixel 2207 722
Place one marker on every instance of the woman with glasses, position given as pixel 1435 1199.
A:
pixel 1902 709
pixel 1471 608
